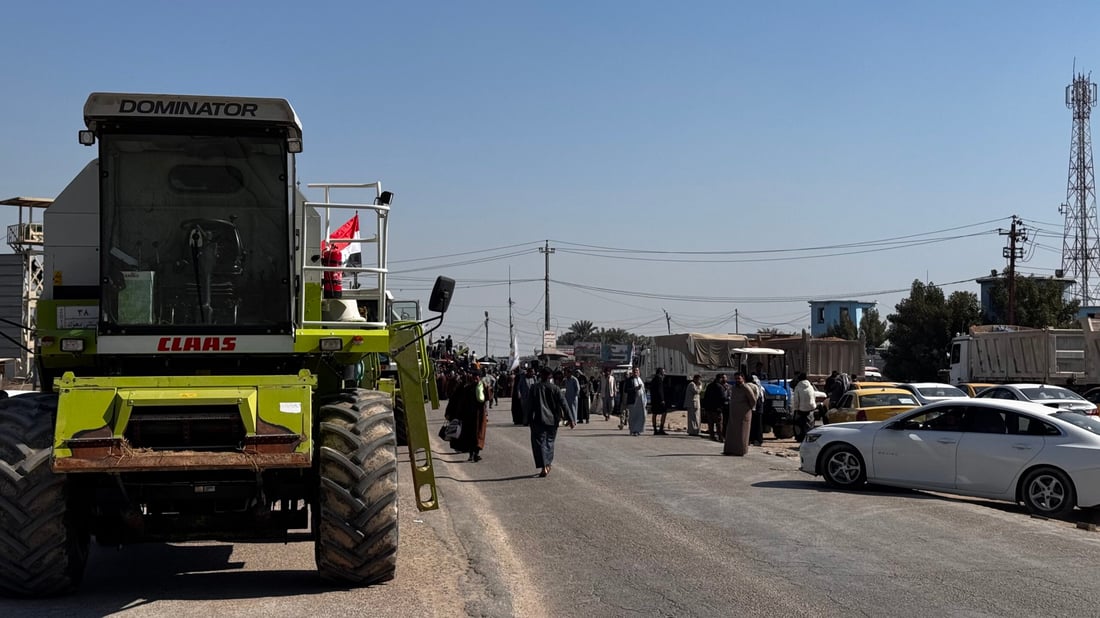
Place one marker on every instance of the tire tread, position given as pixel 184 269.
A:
pixel 357 518
pixel 42 551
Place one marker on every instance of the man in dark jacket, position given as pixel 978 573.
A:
pixel 716 405
pixel 657 403
pixel 547 406
pixel 830 385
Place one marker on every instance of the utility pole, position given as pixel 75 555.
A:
pixel 547 249
pixel 1013 253
pixel 736 322
pixel 511 325
pixel 668 320
pixel 486 333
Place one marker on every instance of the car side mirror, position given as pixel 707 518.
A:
pixel 441 294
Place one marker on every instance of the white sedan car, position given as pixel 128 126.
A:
pixel 1047 458
pixel 929 392
pixel 1046 394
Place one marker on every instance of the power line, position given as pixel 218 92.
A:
pixel 746 299
pixel 787 250
pixel 450 255
pixel 780 259
pixel 483 260
pixel 895 242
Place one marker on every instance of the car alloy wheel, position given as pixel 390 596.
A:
pixel 843 467
pixel 1049 492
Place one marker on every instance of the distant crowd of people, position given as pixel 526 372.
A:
pixel 545 399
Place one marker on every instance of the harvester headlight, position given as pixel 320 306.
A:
pixel 86 137
pixel 72 345
pixel 332 344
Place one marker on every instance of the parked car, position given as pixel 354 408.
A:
pixel 1046 394
pixel 928 392
pixel 973 388
pixel 871 403
pixel 1093 395
pixel 1017 451
pixel 872 374
pixel 873 384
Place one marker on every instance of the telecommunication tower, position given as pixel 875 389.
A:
pixel 17 319
pixel 1080 241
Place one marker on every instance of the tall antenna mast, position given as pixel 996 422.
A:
pixel 1080 240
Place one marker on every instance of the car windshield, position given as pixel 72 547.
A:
pixel 940 391
pixel 1043 393
pixel 878 400
pixel 1088 423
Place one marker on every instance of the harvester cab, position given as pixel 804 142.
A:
pixel 202 376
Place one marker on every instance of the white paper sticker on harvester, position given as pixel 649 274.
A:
pixel 290 407
pixel 77 316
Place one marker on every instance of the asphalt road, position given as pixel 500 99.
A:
pixel 633 526
pixel 666 526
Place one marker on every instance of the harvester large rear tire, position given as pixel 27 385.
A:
pixel 43 546
pixel 355 518
pixel 400 421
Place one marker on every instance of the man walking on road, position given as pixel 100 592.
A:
pixel 803 404
pixel 657 403
pixel 742 402
pixel 607 394
pixel 634 402
pixel 572 394
pixel 489 382
pixel 692 402
pixel 547 405
pixel 716 405
pixel 524 381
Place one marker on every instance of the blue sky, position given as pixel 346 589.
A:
pixel 646 126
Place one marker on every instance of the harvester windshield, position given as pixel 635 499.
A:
pixel 195 231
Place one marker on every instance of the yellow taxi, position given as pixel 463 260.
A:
pixel 872 384
pixel 973 388
pixel 871 403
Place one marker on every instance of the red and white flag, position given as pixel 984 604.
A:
pixel 348 230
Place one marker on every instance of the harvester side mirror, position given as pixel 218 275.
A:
pixel 442 291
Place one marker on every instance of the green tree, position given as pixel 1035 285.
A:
pixel 920 331
pixel 580 330
pixel 872 329
pixel 963 311
pixel 844 329
pixel 603 335
pixel 1040 303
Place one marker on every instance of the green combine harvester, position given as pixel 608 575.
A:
pixel 202 374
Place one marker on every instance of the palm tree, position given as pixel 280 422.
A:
pixel 582 329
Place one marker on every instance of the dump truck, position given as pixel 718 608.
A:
pixel 682 355
pixel 999 354
pixel 201 375
pixel 817 357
